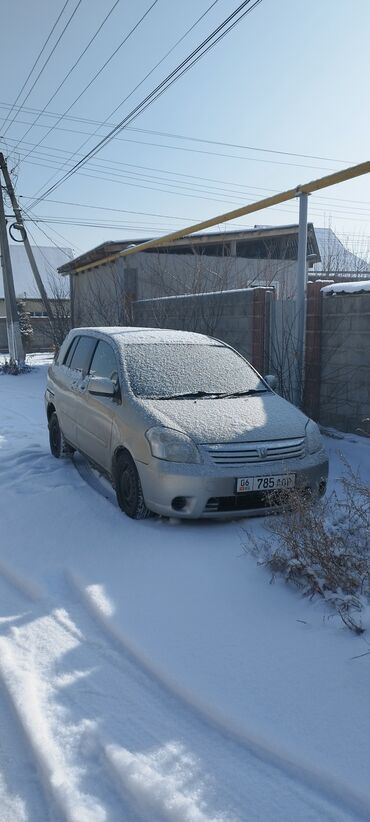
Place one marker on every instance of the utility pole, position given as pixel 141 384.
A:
pixel 16 353
pixel 301 295
pixel 23 232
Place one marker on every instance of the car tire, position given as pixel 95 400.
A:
pixel 58 446
pixel 128 488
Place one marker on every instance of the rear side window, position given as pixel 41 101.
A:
pixel 70 352
pixel 82 354
pixel 104 363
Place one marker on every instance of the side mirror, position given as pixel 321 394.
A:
pixel 101 386
pixel 271 381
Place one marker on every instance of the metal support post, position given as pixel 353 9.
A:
pixel 12 321
pixel 301 296
pixel 28 249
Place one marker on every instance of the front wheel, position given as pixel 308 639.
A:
pixel 58 446
pixel 128 488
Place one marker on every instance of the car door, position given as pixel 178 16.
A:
pixel 72 398
pixel 95 423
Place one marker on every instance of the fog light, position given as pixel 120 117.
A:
pixel 179 503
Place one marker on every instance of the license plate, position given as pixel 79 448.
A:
pixel 279 481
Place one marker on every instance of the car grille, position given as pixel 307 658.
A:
pixel 243 453
pixel 241 502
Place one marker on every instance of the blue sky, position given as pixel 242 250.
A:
pixel 292 77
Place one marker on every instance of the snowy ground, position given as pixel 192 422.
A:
pixel 148 670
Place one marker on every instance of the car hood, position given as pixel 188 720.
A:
pixel 239 419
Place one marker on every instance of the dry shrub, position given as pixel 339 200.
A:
pixel 14 368
pixel 323 546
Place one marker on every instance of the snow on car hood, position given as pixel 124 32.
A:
pixel 239 419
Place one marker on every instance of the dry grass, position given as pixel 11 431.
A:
pixel 323 547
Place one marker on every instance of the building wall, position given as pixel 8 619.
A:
pixel 345 360
pixel 103 295
pixel 41 340
pixel 41 337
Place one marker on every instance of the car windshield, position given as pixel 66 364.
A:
pixel 165 371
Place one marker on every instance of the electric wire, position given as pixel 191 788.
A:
pixel 48 59
pixel 148 74
pixel 65 78
pixel 240 194
pixel 209 42
pixel 29 218
pixel 97 74
pixel 183 137
pixel 14 105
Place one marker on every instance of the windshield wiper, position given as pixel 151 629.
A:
pixel 187 396
pixel 213 394
pixel 249 393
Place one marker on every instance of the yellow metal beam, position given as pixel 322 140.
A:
pixel 259 205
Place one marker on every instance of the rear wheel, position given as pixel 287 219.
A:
pixel 58 446
pixel 128 488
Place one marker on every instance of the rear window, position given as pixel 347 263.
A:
pixel 82 354
pixel 70 351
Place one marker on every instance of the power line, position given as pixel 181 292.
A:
pixel 199 195
pixel 240 194
pixel 176 136
pixel 118 210
pixel 14 105
pixel 75 64
pixel 29 218
pixel 96 75
pixel 48 58
pixel 192 150
pixel 133 90
pixel 236 145
pixel 209 42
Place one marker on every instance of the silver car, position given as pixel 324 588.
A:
pixel 180 422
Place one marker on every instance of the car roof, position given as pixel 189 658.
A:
pixel 132 335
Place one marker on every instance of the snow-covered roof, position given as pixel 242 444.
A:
pixel 335 257
pixel 136 335
pixel 48 259
pixel 347 288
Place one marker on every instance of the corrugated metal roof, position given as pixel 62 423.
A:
pixel 207 238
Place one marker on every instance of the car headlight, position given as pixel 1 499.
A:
pixel 313 437
pixel 171 445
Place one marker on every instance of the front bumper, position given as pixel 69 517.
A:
pixel 209 490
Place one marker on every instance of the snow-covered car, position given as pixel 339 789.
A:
pixel 180 422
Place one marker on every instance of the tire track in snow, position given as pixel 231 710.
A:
pixel 22 797
pixel 28 589
pixel 321 783
pixel 92 478
pixel 29 696
pixel 149 786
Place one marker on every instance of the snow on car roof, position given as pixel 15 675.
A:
pixel 133 335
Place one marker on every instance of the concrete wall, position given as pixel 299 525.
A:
pixel 41 335
pixel 229 316
pixel 345 360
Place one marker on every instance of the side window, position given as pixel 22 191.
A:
pixel 70 352
pixel 104 363
pixel 82 354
